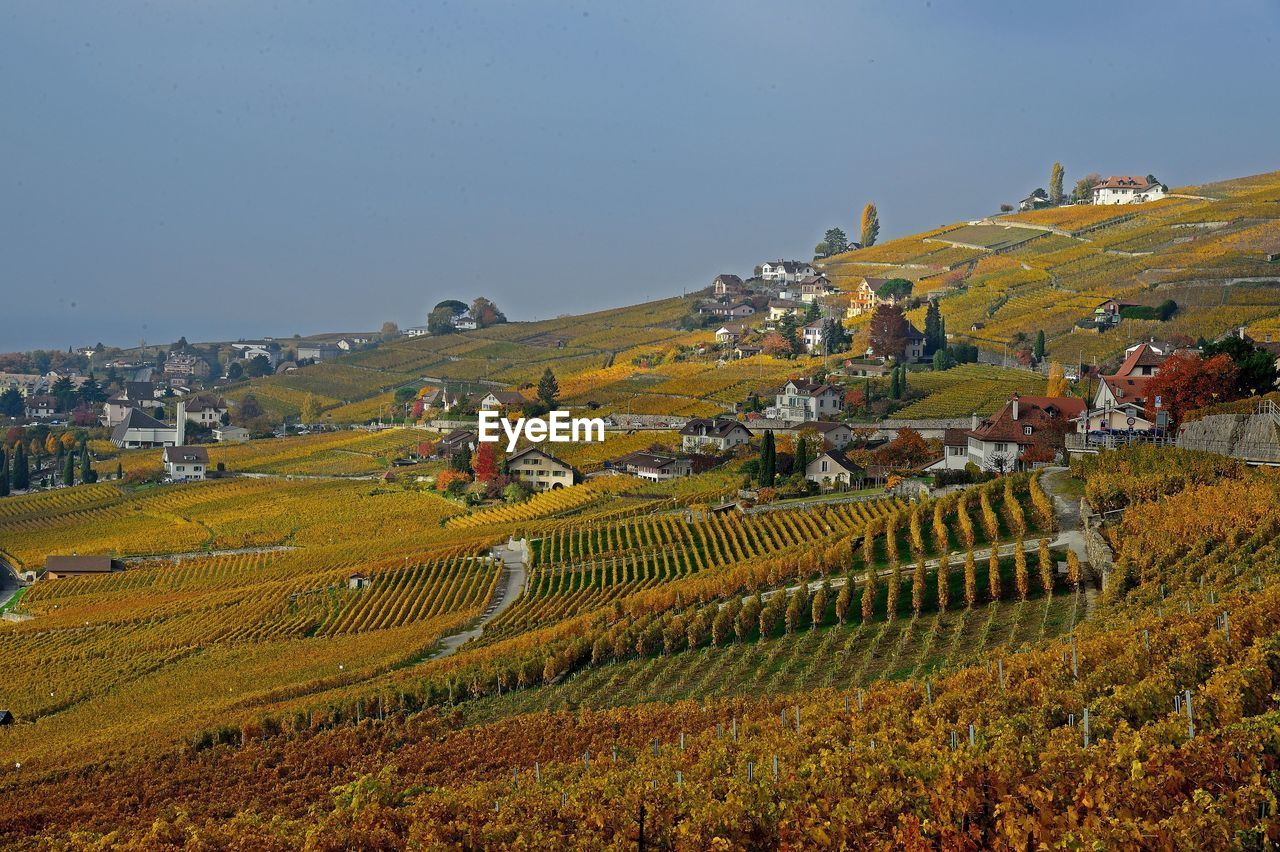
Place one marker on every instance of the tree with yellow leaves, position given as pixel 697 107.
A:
pixel 1057 385
pixel 870 225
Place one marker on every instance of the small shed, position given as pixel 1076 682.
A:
pixel 6 718
pixel 80 566
pixel 358 581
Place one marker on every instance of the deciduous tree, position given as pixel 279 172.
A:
pixel 1056 175
pixel 1186 382
pixel 870 225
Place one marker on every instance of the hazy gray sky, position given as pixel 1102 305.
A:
pixel 231 169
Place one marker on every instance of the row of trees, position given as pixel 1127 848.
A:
pixel 65 453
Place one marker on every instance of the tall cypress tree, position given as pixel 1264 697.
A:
pixel 932 328
pixel 802 455
pixel 69 470
pixel 768 460
pixel 4 473
pixel 895 389
pixel 21 474
pixel 86 466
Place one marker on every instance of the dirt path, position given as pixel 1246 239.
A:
pixel 8 583
pixel 510 587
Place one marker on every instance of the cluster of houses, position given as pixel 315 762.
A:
pixel 781 289
pixel 38 403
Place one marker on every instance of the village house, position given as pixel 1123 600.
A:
pixel 541 471
pixel 1037 199
pixel 457 441
pixel 654 466
pixel 24 383
pixel 834 471
pixel 812 336
pixel 1108 313
pixel 206 411
pixel 1027 431
pixel 866 299
pixel 59 567
pixel 462 322
pixel 183 364
pixel 1128 189
pixel 735 310
pixel 779 308
pixel 247 350
pixel 834 436
pixel 1121 399
pixel 802 400
pixel 132 395
pixel 230 434
pixel 40 405
pixel 815 287
pixel 317 352
pixel 955 449
pixel 350 344
pixel 714 434
pixel 185 464
pixel 358 581
pixel 497 400
pixel 415 331
pixel 786 271
pixel 727 285
pixel 731 332
pixel 743 350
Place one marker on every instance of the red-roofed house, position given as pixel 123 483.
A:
pixel 1122 397
pixel 1128 189
pixel 1029 430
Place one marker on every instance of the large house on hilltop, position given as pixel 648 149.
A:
pixel 716 434
pixel 541 471
pixel 1128 189
pixel 802 400
pixel 787 271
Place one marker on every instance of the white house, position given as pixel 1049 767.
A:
pixel 812 336
pixel 462 322
pixel 206 411
pixel 499 399
pixel 231 434
pixel 833 470
pixel 247 350
pixel 727 285
pixel 1129 189
pixel 802 400
pixel 1020 434
pixel 655 467
pixel 540 471
pixel 185 464
pixel 317 351
pixel 715 434
pixel 736 310
pixel 415 331
pixel 786 270
pixel 955 449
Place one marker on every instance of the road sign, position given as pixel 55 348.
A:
pixel 1131 421
pixel 1158 401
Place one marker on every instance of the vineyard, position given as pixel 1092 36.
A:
pixel 308 653
pixel 944 681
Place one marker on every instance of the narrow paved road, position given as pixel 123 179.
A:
pixel 8 583
pixel 510 587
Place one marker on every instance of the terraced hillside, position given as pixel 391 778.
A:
pixel 1206 248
